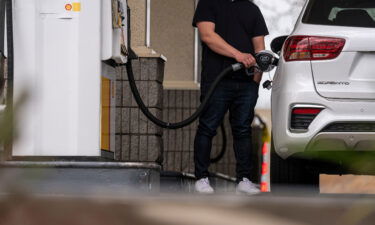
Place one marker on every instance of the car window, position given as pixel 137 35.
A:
pixel 354 13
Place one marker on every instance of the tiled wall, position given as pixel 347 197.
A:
pixel 138 139
pixel 178 144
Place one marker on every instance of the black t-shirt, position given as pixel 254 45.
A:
pixel 237 22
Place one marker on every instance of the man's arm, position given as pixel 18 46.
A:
pixel 220 46
pixel 259 45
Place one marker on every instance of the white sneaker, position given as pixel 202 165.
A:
pixel 247 187
pixel 203 186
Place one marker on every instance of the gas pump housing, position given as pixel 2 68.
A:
pixel 60 47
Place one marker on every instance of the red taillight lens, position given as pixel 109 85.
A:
pixel 298 48
pixel 308 111
pixel 303 117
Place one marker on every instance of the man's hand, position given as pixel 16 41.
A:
pixel 246 59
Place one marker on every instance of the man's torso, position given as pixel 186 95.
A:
pixel 235 24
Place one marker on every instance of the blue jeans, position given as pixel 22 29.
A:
pixel 240 98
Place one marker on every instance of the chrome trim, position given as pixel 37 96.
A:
pixel 236 67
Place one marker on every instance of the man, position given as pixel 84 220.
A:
pixel 231 31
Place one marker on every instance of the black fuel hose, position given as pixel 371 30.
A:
pixel 194 116
pixel 221 154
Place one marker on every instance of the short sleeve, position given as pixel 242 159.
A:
pixel 205 12
pixel 260 26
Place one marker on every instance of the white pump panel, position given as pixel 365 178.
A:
pixel 58 56
pixel 115 30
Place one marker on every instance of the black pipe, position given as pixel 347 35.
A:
pixel 195 115
pixel 2 25
pixel 2 42
pixel 223 150
pixel 10 76
pixel 8 144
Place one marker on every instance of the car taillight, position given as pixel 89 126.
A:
pixel 303 117
pixel 299 48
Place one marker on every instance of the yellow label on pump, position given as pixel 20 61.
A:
pixel 76 6
pixel 106 114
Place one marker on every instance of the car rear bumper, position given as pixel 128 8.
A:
pixel 342 141
pixel 317 138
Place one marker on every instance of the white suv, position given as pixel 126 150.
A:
pixel 323 98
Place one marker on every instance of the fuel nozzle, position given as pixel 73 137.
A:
pixel 265 60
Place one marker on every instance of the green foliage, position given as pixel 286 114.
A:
pixel 8 121
pixel 6 126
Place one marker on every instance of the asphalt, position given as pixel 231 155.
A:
pixel 168 209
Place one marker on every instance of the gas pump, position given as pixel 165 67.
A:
pixel 65 52
pixel 115 31
pixel 60 47
pixel 114 48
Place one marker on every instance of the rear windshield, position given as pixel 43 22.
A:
pixel 353 13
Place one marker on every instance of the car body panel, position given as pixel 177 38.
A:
pixel 294 85
pixel 352 73
pixel 357 38
pixel 344 87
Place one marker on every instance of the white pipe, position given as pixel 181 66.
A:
pixel 196 52
pixel 148 23
pixel 196 55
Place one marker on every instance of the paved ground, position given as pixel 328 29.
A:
pixel 107 207
pixel 190 210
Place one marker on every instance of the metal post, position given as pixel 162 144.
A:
pixel 10 62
